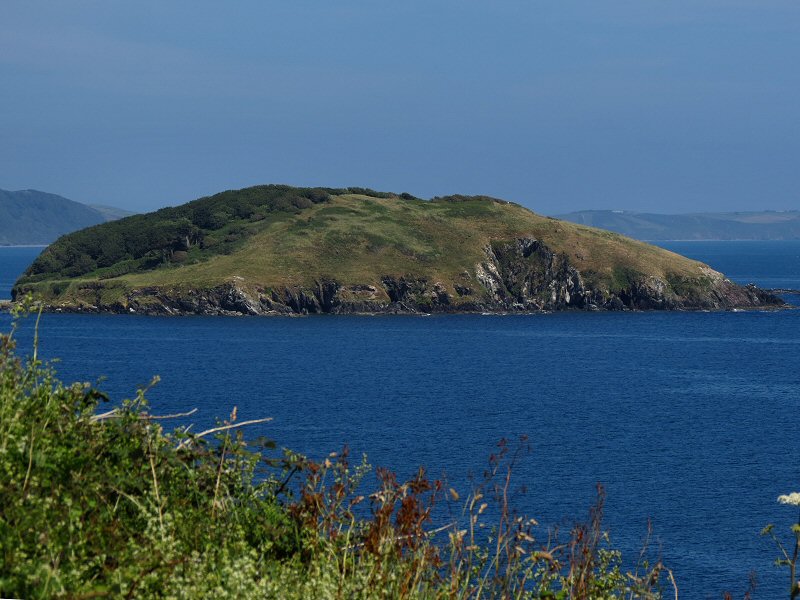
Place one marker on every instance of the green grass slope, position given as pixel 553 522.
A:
pixel 270 238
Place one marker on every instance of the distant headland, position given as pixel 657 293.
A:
pixel 34 218
pixel 756 225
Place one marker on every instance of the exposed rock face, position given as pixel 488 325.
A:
pixel 525 275
pixel 518 275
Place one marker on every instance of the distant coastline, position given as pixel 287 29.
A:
pixel 767 225
pixel 35 217
pixel 656 242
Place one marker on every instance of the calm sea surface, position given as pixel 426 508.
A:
pixel 688 419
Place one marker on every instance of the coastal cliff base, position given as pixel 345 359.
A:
pixel 520 275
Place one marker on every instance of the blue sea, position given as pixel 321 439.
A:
pixel 688 419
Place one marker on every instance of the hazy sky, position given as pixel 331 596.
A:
pixel 666 106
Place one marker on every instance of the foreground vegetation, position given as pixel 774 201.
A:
pixel 110 504
pixel 107 503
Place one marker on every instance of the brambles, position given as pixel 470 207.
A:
pixel 111 504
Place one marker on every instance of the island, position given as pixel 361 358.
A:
pixel 281 250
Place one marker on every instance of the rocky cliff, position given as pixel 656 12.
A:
pixel 520 275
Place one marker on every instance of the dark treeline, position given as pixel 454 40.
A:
pixel 201 228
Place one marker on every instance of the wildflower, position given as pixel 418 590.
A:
pixel 793 499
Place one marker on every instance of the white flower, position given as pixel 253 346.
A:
pixel 793 499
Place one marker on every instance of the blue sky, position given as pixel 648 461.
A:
pixel 663 106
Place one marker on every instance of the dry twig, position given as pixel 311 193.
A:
pixel 197 436
pixel 115 413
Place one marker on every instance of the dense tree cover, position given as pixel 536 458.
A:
pixel 201 228
pixel 210 225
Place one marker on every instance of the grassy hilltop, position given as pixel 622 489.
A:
pixel 273 248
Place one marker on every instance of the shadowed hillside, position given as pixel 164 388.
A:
pixel 30 217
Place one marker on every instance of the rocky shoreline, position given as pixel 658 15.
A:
pixel 398 309
pixel 230 300
pixel 406 297
pixel 517 276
